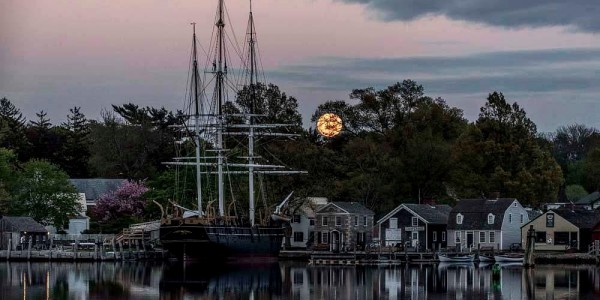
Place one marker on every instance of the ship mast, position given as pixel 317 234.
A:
pixel 221 73
pixel 196 84
pixel 253 83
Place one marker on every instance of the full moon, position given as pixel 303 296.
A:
pixel 329 125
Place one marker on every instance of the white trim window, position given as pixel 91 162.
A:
pixel 491 218
pixel 415 222
pixel 338 221
pixel 355 220
pixel 324 220
pixel 482 237
pixel 522 218
pixel 366 221
pixel 457 237
pixel 492 237
pixel 509 218
pixel 393 223
pixel 325 237
pixel 459 219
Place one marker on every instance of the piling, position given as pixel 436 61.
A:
pixel 529 248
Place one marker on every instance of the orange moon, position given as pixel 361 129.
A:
pixel 329 125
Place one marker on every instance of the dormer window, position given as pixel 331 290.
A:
pixel 491 218
pixel 459 219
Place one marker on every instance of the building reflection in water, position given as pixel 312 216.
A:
pixel 289 280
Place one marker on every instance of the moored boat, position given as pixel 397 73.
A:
pixel 456 258
pixel 509 258
pixel 209 233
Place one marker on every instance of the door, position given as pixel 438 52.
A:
pixel 415 239
pixel 335 241
pixel 470 239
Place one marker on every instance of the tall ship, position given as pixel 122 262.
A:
pixel 225 230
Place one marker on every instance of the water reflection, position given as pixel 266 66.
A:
pixel 288 280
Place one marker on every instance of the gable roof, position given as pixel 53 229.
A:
pixel 583 219
pixel 433 214
pixel 21 224
pixel 589 199
pixel 93 188
pixel 475 212
pixel 349 208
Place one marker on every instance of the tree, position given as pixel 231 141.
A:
pixel 575 192
pixel 270 101
pixel 8 165
pixel 500 153
pixel 43 192
pixel 75 153
pixel 121 207
pixel 46 141
pixel 12 127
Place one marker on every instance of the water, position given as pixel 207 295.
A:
pixel 290 280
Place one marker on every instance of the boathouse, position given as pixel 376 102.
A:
pixel 421 226
pixel 343 226
pixel 496 223
pixel 563 229
pixel 18 231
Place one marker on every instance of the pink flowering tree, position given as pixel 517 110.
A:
pixel 121 207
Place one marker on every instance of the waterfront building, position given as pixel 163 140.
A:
pixel 303 222
pixel 563 229
pixel 490 223
pixel 421 226
pixel 17 232
pixel 343 226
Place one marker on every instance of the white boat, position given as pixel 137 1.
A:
pixel 456 259
pixel 509 258
pixel 486 259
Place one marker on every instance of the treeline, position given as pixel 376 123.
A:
pixel 398 145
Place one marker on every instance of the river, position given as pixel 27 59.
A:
pixel 293 280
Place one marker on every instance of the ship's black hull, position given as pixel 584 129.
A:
pixel 210 243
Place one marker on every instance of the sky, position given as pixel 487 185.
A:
pixel 543 54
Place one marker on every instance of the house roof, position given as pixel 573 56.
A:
pixel 311 205
pixel 533 213
pixel 349 207
pixel 583 219
pixel 476 211
pixel 589 199
pixel 433 214
pixel 21 224
pixel 93 188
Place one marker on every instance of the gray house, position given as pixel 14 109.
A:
pixel 303 222
pixel 92 188
pixel 421 226
pixel 19 231
pixel 486 223
pixel 343 225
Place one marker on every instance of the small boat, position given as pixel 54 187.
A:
pixel 509 258
pixel 486 259
pixel 456 259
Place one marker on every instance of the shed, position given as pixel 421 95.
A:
pixel 16 231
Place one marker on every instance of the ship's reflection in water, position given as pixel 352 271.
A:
pixel 288 280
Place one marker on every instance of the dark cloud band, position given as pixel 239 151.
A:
pixel 581 15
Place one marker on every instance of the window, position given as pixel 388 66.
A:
pixel 482 237
pixel 435 236
pixel 415 221
pixel 492 237
pixel 443 236
pixel 325 237
pixel 365 221
pixel 296 219
pixel 298 236
pixel 561 238
pixel 355 220
pixel 540 237
pixel 338 221
pixel 490 218
pixel 324 221
pixel 459 219
pixel 312 222
pixel 415 235
pixel 509 218
pixel 522 218
pixel 393 223
pixel 457 234
pixel 515 204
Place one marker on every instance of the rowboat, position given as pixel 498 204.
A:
pixel 456 259
pixel 509 258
